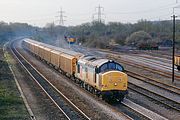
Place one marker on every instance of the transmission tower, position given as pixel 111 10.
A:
pixel 99 14
pixel 61 17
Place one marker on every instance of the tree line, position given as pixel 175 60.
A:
pixel 11 30
pixel 100 35
pixel 95 34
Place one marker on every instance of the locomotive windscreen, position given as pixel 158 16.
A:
pixel 110 66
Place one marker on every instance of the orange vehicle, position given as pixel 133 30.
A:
pixel 177 61
pixel 55 58
pixel 100 76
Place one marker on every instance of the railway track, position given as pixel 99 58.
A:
pixel 68 109
pixel 165 101
pixel 154 53
pixel 140 111
pixel 152 70
pixel 144 78
pixel 148 60
pixel 157 54
pixel 115 55
pixel 149 54
pixel 155 82
pixel 144 116
pixel 164 60
pixel 137 112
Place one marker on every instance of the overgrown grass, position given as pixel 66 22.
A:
pixel 11 104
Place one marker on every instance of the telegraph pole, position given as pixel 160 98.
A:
pixel 173 45
pixel 61 17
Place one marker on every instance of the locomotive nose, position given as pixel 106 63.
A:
pixel 114 80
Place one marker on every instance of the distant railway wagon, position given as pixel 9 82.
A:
pixel 70 39
pixel 150 46
pixel 103 77
pixel 177 61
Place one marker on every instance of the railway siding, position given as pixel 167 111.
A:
pixel 165 77
pixel 155 89
pixel 155 82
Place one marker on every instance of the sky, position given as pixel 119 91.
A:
pixel 76 12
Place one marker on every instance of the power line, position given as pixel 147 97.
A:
pixel 99 14
pixel 61 17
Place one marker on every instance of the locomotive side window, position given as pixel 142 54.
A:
pixel 78 68
pixel 103 68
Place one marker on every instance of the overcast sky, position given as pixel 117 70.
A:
pixel 40 12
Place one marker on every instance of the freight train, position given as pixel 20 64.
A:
pixel 177 61
pixel 103 77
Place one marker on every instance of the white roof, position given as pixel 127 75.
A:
pixel 69 52
pixel 92 61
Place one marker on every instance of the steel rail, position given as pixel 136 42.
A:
pixel 149 80
pixel 160 101
pixel 162 73
pixel 142 111
pixel 72 104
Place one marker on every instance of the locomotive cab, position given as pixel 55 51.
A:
pixel 112 80
pixel 105 76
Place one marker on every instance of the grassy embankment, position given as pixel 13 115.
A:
pixel 11 104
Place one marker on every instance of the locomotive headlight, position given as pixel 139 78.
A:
pixel 115 84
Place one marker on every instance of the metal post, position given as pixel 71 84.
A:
pixel 69 45
pixel 173 47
